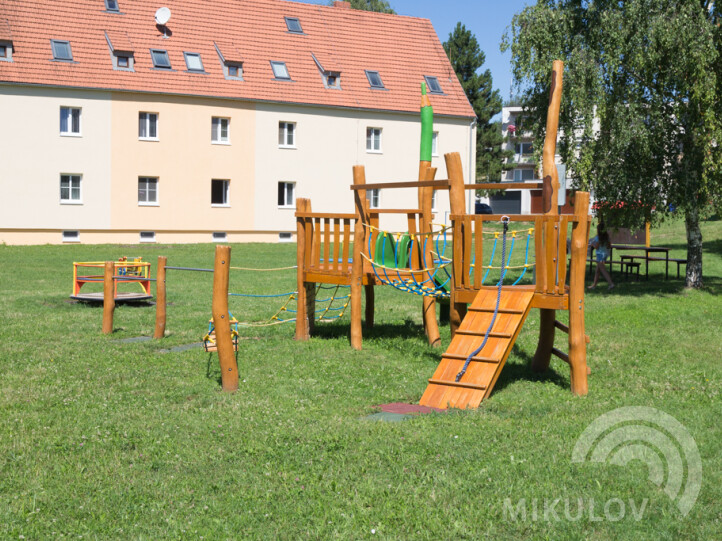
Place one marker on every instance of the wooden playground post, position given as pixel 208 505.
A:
pixel 577 271
pixel 359 178
pixel 302 330
pixel 160 298
pixel 550 189
pixel 224 341
pixel 431 326
pixel 457 310
pixel 108 297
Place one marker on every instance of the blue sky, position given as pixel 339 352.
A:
pixel 487 20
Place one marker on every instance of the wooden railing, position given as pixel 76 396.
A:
pixel 550 247
pixel 328 240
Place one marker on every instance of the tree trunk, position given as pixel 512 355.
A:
pixel 694 248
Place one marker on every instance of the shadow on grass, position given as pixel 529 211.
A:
pixel 656 285
pixel 406 329
pixel 513 372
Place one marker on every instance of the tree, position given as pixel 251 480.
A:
pixel 641 112
pixel 381 6
pixel 467 58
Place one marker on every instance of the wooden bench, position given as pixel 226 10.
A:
pixel 678 261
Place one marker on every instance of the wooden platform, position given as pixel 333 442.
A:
pixel 120 297
pixel 481 375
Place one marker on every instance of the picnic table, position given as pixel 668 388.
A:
pixel 628 263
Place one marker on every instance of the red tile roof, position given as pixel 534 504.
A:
pixel 401 49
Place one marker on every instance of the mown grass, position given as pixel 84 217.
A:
pixel 107 440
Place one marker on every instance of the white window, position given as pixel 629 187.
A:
pixel 373 139
pixel 160 58
pixel 147 191
pixel 435 144
pixel 70 189
pixel 220 130
pixel 6 51
pixel 374 198
pixel 147 236
pixel 524 149
pixel 374 79
pixel 287 134
pixel 286 194
pixel 69 121
pixel 433 201
pixel 193 61
pixel 219 192
pixel 71 236
pixel 61 50
pixel 521 175
pixel 280 71
pixel 148 126
pixel 219 236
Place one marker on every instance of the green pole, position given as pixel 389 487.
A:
pixel 427 125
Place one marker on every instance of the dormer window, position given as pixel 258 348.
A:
pixel 294 25
pixel 331 77
pixel 111 5
pixel 6 51
pixel 160 58
pixel 121 50
pixel 280 71
pixel 374 79
pixel 122 61
pixel 193 61
pixel 433 84
pixel 230 59
pixel 61 50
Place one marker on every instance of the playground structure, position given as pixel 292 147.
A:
pixel 485 320
pixel 483 334
pixel 125 272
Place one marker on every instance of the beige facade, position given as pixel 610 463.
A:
pixel 182 160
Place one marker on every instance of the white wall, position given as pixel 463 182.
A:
pixel 329 142
pixel 34 154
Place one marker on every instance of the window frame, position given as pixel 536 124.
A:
pixel 285 184
pixel 70 121
pixel 371 136
pixel 435 144
pixel 227 70
pixel 73 237
pixel 116 9
pixel 148 203
pixel 276 77
pixel 519 178
pixel 187 54
pixel 288 26
pixel 70 200
pixel 153 59
pixel 217 130
pixel 128 58
pixel 146 240
pixel 148 124
pixel 7 48
pixel 226 193
pixel 219 236
pixel 374 197
pixel 429 79
pixel 369 76
pixel 54 43
pixel 285 143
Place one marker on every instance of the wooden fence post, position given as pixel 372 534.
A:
pixel 457 311
pixel 221 319
pixel 108 297
pixel 577 337
pixel 302 244
pixel 428 309
pixel 359 178
pixel 160 298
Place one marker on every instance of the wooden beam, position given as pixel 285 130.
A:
pixel 108 297
pixel 437 184
pixel 160 298
pixel 505 186
pixel 221 319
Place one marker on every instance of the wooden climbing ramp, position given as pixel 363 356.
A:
pixel 484 369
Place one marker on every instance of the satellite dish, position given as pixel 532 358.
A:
pixel 162 16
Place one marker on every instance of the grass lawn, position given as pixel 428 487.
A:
pixel 101 439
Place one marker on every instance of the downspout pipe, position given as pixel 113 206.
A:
pixel 472 145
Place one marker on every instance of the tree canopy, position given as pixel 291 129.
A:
pixel 641 111
pixel 467 58
pixel 381 6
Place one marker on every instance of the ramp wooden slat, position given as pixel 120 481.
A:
pixel 482 373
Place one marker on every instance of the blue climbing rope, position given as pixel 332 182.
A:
pixel 505 222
